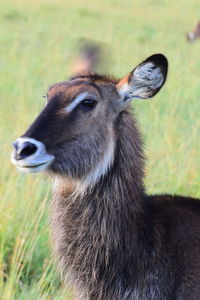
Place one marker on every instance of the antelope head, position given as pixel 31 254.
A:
pixel 75 134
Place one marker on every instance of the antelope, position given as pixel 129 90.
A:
pixel 89 57
pixel 194 34
pixel 112 240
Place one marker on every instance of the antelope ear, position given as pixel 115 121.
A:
pixel 145 80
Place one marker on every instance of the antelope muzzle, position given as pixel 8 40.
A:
pixel 30 155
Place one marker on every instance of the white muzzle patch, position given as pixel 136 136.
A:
pixel 37 162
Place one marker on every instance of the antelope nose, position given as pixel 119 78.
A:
pixel 24 149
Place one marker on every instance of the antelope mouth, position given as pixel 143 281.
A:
pixel 35 166
pixel 31 168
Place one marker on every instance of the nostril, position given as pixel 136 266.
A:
pixel 26 150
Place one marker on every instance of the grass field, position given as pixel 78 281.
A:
pixel 37 42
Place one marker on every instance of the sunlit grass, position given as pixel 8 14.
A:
pixel 37 43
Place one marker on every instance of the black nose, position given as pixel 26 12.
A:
pixel 23 150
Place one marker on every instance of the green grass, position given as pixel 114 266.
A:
pixel 37 43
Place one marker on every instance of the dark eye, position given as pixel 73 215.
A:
pixel 88 103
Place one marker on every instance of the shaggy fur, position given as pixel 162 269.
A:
pixel 117 243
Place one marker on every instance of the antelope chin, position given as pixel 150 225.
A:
pixel 28 166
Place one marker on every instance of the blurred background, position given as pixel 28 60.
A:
pixel 38 42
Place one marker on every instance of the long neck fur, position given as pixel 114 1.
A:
pixel 99 237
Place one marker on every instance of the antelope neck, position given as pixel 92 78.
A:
pixel 97 230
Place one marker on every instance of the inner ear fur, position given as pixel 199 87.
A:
pixel 145 80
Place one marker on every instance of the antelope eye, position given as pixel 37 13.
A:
pixel 88 103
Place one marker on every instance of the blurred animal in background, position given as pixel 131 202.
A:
pixel 194 34
pixel 88 58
